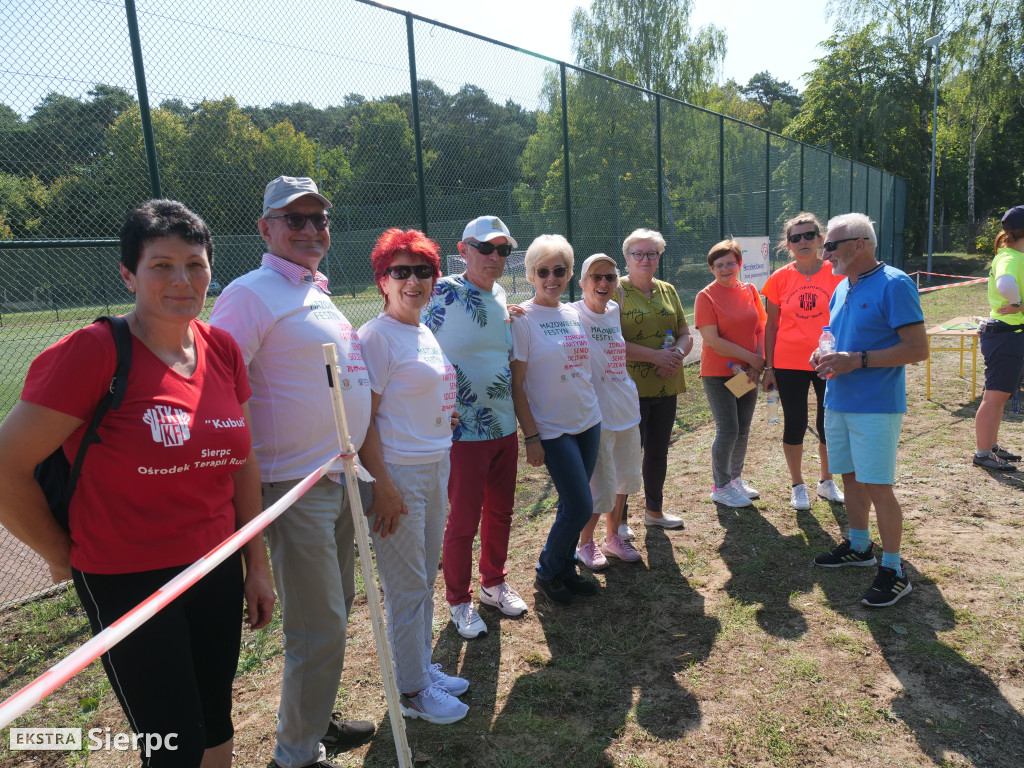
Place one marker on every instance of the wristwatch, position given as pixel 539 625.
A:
pixel 864 358
pixel 1017 303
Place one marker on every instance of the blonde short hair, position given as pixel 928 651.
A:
pixel 544 246
pixel 643 234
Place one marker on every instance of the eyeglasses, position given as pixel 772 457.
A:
pixel 730 265
pixel 794 239
pixel 597 278
pixel 297 221
pixel 641 255
pixel 831 245
pixel 402 271
pixel 488 248
pixel 543 272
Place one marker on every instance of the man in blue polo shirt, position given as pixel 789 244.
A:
pixel 879 328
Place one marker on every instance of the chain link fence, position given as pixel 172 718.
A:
pixel 105 104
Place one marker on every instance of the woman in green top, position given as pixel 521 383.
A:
pixel 1002 341
pixel 651 309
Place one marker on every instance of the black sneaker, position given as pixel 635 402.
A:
pixel 579 585
pixel 845 554
pixel 993 462
pixel 346 734
pixel 554 590
pixel 1004 454
pixel 887 588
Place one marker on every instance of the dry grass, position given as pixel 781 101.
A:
pixel 723 647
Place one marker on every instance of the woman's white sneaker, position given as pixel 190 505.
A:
pixel 435 705
pixel 730 497
pixel 829 491
pixel 798 498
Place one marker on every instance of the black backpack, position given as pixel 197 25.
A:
pixel 56 476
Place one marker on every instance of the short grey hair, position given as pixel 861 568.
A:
pixel 855 225
pixel 544 246
pixel 643 234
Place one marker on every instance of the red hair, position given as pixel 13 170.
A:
pixel 395 241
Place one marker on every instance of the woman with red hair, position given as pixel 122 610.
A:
pixel 413 406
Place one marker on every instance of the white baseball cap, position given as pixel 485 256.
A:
pixel 592 260
pixel 486 228
pixel 285 189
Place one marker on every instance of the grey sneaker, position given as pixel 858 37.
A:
pixel 435 705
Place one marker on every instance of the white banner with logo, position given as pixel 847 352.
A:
pixel 756 260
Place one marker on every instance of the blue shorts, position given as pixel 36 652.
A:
pixel 864 444
pixel 1004 360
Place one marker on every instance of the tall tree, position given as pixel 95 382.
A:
pixel 650 43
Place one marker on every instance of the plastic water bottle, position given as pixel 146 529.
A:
pixel 669 341
pixel 772 401
pixel 826 342
pixel 826 345
pixel 736 368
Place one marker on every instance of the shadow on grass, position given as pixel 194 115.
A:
pixel 947 703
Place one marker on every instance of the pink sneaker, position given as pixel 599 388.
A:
pixel 617 547
pixel 591 556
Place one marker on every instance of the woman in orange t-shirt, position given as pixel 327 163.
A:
pixel 798 295
pixel 731 320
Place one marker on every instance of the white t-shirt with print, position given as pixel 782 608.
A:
pixel 616 391
pixel 552 343
pixel 416 384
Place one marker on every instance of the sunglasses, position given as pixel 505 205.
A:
pixel 641 255
pixel 794 239
pixel 543 272
pixel 597 278
pixel 488 248
pixel 402 271
pixel 297 221
pixel 831 245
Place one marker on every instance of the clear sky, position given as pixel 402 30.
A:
pixel 760 35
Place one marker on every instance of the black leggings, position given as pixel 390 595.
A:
pixel 793 387
pixel 173 674
pixel 657 417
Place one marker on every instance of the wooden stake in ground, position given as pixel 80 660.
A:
pixel 387 663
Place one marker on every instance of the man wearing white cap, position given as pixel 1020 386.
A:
pixel 281 314
pixel 468 316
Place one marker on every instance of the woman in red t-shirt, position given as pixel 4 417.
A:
pixel 798 295
pixel 731 320
pixel 172 476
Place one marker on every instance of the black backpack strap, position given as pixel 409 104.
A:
pixel 112 399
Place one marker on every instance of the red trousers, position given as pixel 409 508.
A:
pixel 481 495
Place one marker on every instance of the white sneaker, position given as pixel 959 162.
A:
pixel 665 521
pixel 745 488
pixel 467 620
pixel 626 533
pixel 730 497
pixel 456 686
pixel 829 491
pixel 504 598
pixel 435 705
pixel 798 497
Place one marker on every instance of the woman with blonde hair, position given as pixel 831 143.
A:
pixel 557 410
pixel 731 320
pixel 798 295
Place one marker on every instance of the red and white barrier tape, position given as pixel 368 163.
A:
pixel 64 670
pixel 939 274
pixel 953 285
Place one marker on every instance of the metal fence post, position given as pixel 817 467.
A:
pixel 721 177
pixel 140 86
pixel 801 176
pixel 565 163
pixel 661 173
pixel 768 183
pixel 421 187
pixel 828 203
